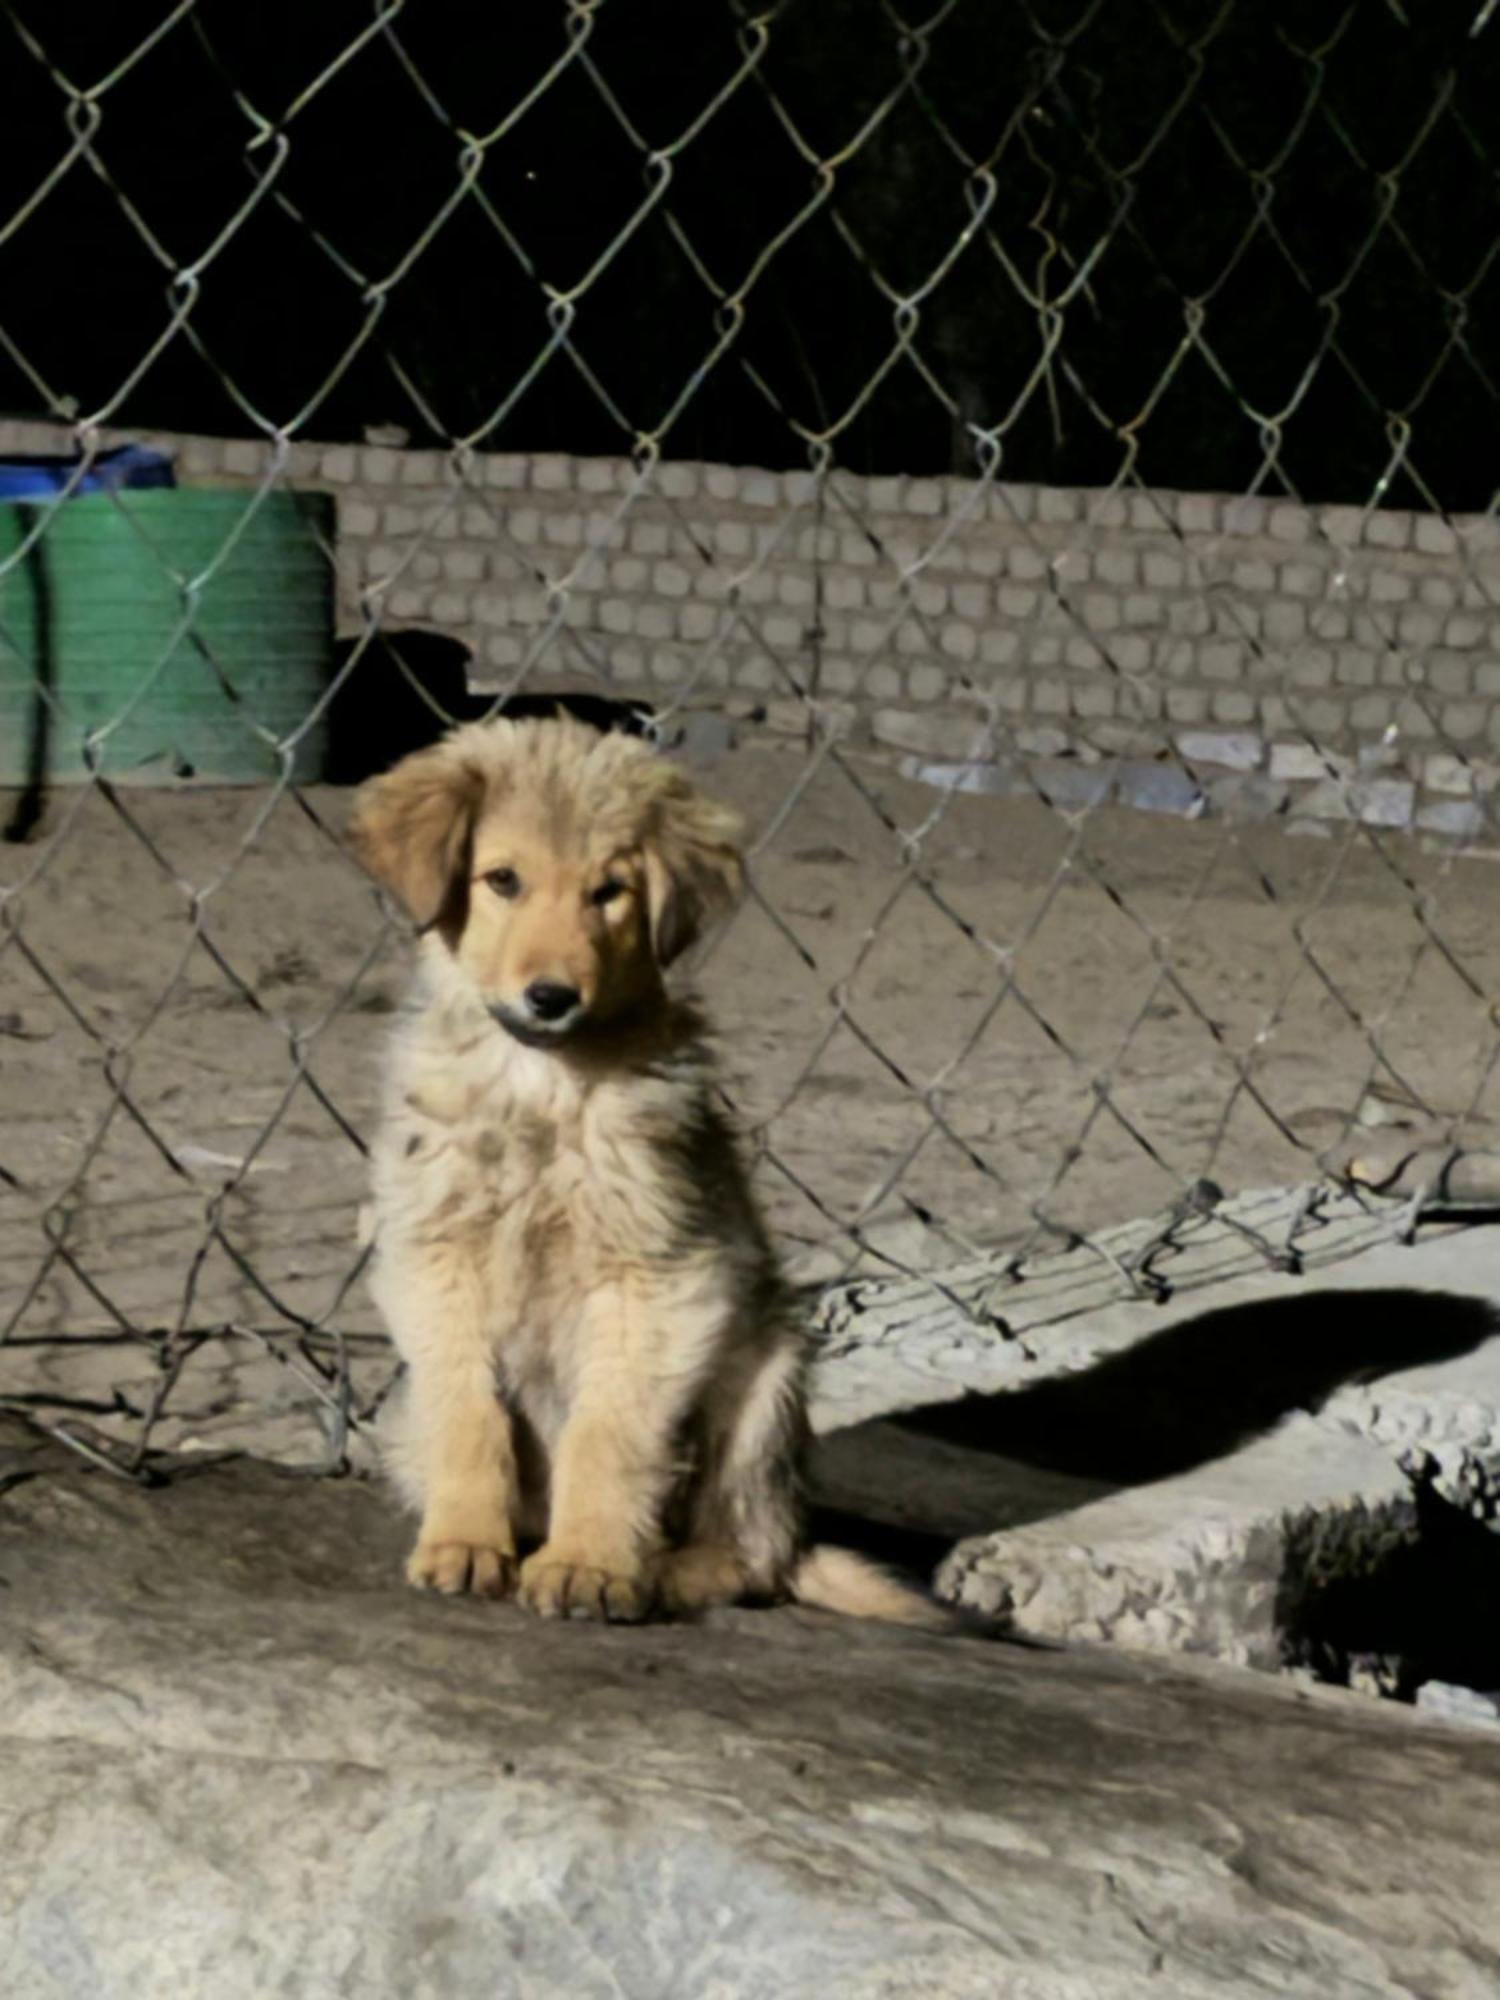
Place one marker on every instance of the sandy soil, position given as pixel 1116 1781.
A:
pixel 1150 959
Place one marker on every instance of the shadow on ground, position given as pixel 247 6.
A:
pixel 907 1486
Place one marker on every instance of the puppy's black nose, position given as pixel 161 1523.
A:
pixel 550 1002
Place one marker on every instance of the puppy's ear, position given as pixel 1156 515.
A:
pixel 694 869
pixel 410 827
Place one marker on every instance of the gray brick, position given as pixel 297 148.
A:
pixel 1094 699
pixel 1389 586
pixel 1487 677
pixel 959 641
pixel 721 482
pixel 1197 513
pixel 1412 719
pixel 732 538
pixel 1221 660
pixel 1464 630
pixel 1448 673
pixel 504 649
pixel 1101 613
pixel 1288 523
pixel 422 468
pixel 1302 579
pixel 401 521
pixel 1117 566
pixel 883 682
pixel 1026 564
pixel 598 475
pixel 1130 651
pixel 1387 529
pixel 928 596
pixel 1440 591
pixel 563 529
pixel 504 472
pixel 357 518
pixel 551 472
pixel 629 573
pixel 616 614
pixel 1463 720
pixel 1433 536
pixel 1143 610
pixel 984 559
pixel 1049 696
pixel 1354 666
pixel 1324 718
pixel 926 683
pixel 1328 621
pixel 697 621
pixel 464 565
pixel 1190 617
pixel 378 465
pixel 1342 525
pixel 1163 570
pixel 1284 623
pixel 837 675
pixel 1016 602
pixel 1253 574
pixel 650 538
pixel 843 593
pixel 654 621
pixel 855 550
pixel 1245 515
pixel 971 600
pixel 923 496
pixel 677 479
pixel 1186 704
pixel 760 489
pixel 338 465
pixel 1292 763
pixel 1232 705
pixel 1056 504
pixel 999 646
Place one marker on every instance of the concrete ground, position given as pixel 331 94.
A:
pixel 241 1758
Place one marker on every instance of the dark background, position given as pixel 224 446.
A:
pixel 1318 180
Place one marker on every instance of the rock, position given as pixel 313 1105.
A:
pixel 241 1759
pixel 1460 1704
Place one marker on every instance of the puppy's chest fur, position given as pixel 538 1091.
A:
pixel 549 1188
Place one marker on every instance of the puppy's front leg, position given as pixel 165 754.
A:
pixel 453 1451
pixel 611 1471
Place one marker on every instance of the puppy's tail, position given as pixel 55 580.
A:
pixel 833 1579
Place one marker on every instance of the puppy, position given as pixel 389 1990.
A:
pixel 602 1362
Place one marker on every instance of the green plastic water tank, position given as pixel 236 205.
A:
pixel 97 615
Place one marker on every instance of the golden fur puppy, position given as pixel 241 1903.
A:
pixel 602 1362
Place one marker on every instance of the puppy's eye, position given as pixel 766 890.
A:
pixel 505 882
pixel 606 893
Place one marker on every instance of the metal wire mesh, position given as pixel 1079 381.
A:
pixel 973 1026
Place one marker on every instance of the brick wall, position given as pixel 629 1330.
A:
pixel 1103 629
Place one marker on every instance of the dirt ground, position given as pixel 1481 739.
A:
pixel 1150 959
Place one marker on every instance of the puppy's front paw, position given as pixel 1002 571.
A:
pixel 555 1586
pixel 455 1567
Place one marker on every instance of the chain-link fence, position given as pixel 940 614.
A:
pixel 1038 460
